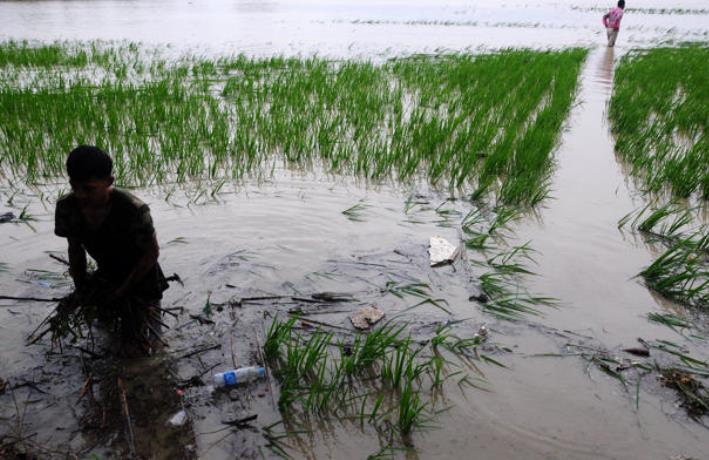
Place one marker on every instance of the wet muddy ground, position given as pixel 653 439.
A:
pixel 288 237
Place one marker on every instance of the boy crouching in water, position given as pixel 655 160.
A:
pixel 116 230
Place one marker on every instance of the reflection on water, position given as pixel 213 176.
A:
pixel 80 399
pixel 605 68
pixel 129 404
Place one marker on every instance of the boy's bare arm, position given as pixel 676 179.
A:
pixel 144 265
pixel 77 262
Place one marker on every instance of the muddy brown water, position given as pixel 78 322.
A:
pixel 288 235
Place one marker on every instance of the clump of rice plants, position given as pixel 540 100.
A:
pixel 658 112
pixel 681 272
pixel 507 298
pixel 21 54
pixel 502 284
pixel 489 121
pixel 354 212
pixel 379 377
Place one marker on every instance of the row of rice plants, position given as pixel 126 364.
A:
pixel 39 60
pixel 490 121
pixel 659 114
pixel 23 54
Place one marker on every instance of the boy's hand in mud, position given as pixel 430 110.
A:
pixel 121 292
pixel 70 302
pixel 116 299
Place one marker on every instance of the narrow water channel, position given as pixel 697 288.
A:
pixel 555 405
pixel 584 259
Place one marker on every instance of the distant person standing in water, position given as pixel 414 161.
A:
pixel 612 22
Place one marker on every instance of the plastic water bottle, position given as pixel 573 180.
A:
pixel 238 376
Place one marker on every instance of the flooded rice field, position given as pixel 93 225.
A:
pixel 368 28
pixel 547 356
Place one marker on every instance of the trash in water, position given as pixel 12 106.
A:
pixel 7 217
pixel 238 376
pixel 179 418
pixel 479 297
pixel 441 251
pixel 366 317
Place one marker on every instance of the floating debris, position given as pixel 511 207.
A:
pixel 637 351
pixel 333 296
pixel 479 297
pixel 693 394
pixel 6 217
pixel 354 213
pixel 441 251
pixel 178 419
pixel 241 422
pixel 366 317
pixel 483 332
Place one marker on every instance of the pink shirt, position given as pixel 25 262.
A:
pixel 613 17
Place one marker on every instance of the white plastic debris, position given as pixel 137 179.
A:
pixel 441 251
pixel 178 419
pixel 366 317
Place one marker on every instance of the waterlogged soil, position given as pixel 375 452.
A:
pixel 289 237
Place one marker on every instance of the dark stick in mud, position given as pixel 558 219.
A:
pixel 130 435
pixel 265 297
pixel 59 259
pixel 241 422
pixel 201 350
pixel 319 323
pixel 28 299
pixel 265 365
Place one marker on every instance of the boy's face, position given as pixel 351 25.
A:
pixel 92 192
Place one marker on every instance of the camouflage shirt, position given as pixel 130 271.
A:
pixel 119 242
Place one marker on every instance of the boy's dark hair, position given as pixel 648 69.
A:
pixel 621 3
pixel 88 162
